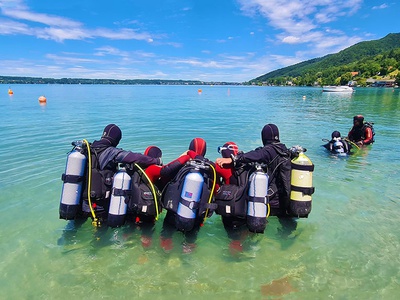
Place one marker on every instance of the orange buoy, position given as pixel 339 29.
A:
pixel 10 92
pixel 199 91
pixel 42 99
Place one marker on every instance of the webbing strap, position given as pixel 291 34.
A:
pixel 71 178
pixel 190 204
pixel 120 192
pixel 309 168
pixel 257 199
pixel 305 190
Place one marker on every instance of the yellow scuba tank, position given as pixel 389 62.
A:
pixel 301 184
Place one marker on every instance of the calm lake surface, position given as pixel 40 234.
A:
pixel 348 248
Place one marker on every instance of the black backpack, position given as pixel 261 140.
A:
pixel 101 180
pixel 144 197
pixel 231 199
pixel 370 125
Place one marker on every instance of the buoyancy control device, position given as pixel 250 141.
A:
pixel 190 193
pixel 144 198
pixel 258 201
pixel 73 178
pixel 301 183
pixel 119 196
pixel 231 199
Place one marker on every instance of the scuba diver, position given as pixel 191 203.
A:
pixel 144 204
pixel 143 201
pixel 97 177
pixel 362 133
pixel 187 198
pixel 274 160
pixel 231 198
pixel 338 145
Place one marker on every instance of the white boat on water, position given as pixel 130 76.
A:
pixel 334 88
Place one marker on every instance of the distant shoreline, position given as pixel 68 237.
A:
pixel 39 80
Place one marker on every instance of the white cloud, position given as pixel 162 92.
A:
pixel 50 27
pixel 382 6
pixel 300 18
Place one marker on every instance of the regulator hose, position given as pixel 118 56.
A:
pixel 95 221
pixel 212 190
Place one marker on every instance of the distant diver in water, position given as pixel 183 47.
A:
pixel 362 133
pixel 338 145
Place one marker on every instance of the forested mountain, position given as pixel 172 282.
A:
pixel 377 59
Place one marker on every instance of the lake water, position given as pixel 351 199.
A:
pixel 348 248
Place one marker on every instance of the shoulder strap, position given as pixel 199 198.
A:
pixel 95 153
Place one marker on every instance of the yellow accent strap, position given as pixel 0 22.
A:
pixel 352 143
pixel 212 190
pixel 95 221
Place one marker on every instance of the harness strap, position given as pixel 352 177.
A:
pixel 191 204
pixel 258 199
pixel 71 178
pixel 309 168
pixel 120 192
pixel 306 191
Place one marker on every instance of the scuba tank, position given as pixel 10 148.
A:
pixel 73 178
pixel 189 200
pixel 118 205
pixel 338 146
pixel 301 184
pixel 257 204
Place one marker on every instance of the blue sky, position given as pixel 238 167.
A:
pixel 208 40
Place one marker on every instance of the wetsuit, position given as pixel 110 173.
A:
pixel 361 134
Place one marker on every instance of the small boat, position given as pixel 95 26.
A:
pixel 10 92
pixel 341 89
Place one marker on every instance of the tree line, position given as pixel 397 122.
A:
pixel 39 80
pixel 378 60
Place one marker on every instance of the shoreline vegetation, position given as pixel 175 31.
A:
pixel 10 80
pixel 40 80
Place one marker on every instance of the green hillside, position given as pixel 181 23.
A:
pixel 379 59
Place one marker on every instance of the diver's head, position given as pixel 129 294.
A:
pixel 112 134
pixel 358 120
pixel 228 149
pixel 335 134
pixel 153 151
pixel 199 146
pixel 270 134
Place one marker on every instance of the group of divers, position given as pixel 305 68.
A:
pixel 114 187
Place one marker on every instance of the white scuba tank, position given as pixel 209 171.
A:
pixel 257 204
pixel 190 197
pixel 301 186
pixel 71 194
pixel 338 146
pixel 118 205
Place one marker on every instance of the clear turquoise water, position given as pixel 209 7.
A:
pixel 348 248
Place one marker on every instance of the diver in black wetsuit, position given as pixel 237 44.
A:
pixel 337 145
pixel 105 160
pixel 277 157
